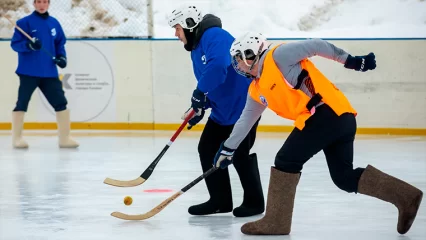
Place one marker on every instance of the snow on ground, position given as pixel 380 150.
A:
pixel 274 18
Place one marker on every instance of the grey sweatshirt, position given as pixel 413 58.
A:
pixel 287 57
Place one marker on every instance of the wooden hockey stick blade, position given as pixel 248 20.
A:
pixel 124 183
pixel 149 214
pixel 166 202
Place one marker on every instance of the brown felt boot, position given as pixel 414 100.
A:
pixel 404 196
pixel 279 207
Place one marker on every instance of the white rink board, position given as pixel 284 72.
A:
pixel 143 81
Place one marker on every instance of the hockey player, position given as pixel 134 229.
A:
pixel 37 69
pixel 223 90
pixel 285 81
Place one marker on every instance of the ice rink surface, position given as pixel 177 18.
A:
pixel 58 194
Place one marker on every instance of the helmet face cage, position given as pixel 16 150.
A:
pixel 234 62
pixel 247 55
pixel 248 47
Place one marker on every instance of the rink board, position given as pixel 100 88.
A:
pixel 146 84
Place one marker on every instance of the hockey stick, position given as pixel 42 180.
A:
pixel 166 202
pixel 145 175
pixel 27 36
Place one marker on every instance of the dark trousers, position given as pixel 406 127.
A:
pixel 218 183
pixel 328 132
pixel 50 87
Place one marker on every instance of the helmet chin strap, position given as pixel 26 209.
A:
pixel 251 68
pixel 255 61
pixel 258 56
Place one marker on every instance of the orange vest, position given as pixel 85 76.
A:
pixel 273 91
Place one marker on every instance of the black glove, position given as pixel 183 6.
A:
pixel 61 61
pixel 35 46
pixel 361 63
pixel 198 100
pixel 198 116
pixel 223 157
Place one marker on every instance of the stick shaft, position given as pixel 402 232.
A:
pixel 166 202
pixel 145 175
pixel 27 36
pixel 191 114
pixel 19 29
pixel 204 175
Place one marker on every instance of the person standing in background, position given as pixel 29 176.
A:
pixel 37 69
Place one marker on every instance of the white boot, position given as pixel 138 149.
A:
pixel 64 126
pixel 17 126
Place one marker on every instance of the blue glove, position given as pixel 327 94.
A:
pixel 61 61
pixel 223 157
pixel 198 100
pixel 361 63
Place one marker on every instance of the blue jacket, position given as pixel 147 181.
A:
pixel 49 32
pixel 225 88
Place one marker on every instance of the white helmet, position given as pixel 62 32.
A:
pixel 248 47
pixel 186 16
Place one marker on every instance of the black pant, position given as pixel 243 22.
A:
pixel 50 87
pixel 218 183
pixel 328 132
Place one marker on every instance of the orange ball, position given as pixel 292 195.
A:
pixel 128 200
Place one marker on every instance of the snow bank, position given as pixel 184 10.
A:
pixel 274 18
